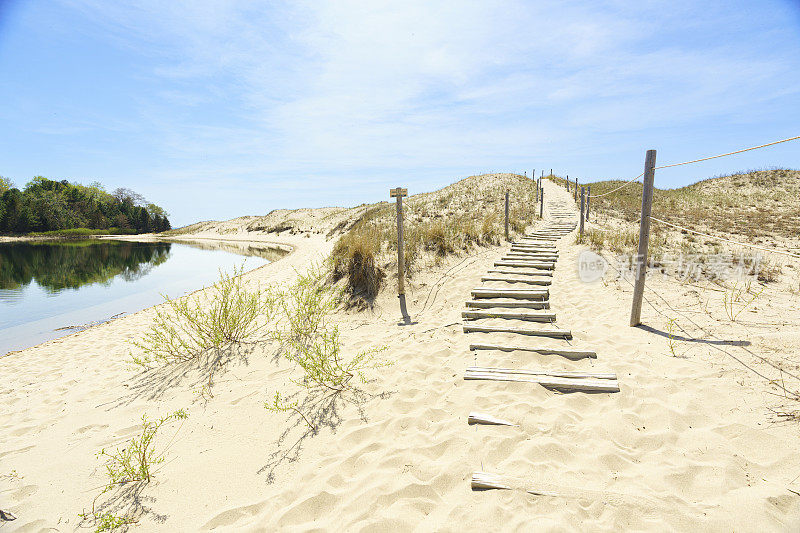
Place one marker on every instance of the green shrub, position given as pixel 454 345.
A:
pixel 224 314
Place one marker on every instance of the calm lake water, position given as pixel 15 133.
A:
pixel 48 286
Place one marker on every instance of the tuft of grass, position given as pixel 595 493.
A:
pixel 447 222
pixel 738 297
pixel 353 258
pixel 226 313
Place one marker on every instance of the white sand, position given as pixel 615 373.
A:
pixel 686 444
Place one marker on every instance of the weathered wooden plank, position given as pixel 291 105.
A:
pixel 548 274
pixel 558 333
pixel 486 481
pixel 528 257
pixel 528 281
pixel 481 418
pixel 530 264
pixel 565 384
pixel 510 292
pixel 552 373
pixel 569 354
pixel 486 304
pixel 515 315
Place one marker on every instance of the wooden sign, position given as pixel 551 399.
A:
pixel 399 191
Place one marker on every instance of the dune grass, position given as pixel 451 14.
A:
pixel 755 203
pixel 450 221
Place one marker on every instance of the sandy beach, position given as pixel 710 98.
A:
pixel 687 444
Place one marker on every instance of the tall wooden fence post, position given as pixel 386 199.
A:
pixel 541 202
pixel 576 190
pixel 588 200
pixel 582 197
pixel 506 215
pixel 567 180
pixel 644 238
pixel 401 264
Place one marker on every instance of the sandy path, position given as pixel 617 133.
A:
pixel 683 446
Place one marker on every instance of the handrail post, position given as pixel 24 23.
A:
pixel 644 238
pixel 507 216
pixel 398 193
pixel 582 199
pixel 588 199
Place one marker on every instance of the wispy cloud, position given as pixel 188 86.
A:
pixel 275 96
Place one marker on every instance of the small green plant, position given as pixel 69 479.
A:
pixel 132 463
pixel 135 461
pixel 110 521
pixel 671 332
pixel 311 340
pixel 226 313
pixel 739 297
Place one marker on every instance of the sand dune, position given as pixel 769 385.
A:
pixel 685 445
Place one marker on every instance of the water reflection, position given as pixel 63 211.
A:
pixel 48 289
pixel 72 264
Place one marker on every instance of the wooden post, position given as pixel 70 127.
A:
pixel 582 196
pixel 507 216
pixel 576 189
pixel 401 265
pixel 541 204
pixel 644 238
pixel 567 180
pixel 588 200
pixel 551 171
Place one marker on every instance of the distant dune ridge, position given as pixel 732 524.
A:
pixel 702 435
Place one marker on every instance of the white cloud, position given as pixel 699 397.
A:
pixel 322 88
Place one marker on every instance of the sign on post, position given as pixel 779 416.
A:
pixel 399 193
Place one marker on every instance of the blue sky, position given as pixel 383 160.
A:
pixel 220 109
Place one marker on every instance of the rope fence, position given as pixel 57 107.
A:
pixel 747 245
pixel 696 161
pixel 645 219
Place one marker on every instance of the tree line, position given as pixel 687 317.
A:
pixel 48 205
pixel 75 263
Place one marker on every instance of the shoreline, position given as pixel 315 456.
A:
pixel 283 247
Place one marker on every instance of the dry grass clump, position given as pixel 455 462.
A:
pixel 354 258
pixel 449 221
pixel 616 241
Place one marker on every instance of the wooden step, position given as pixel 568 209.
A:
pixel 569 354
pixel 484 419
pixel 542 372
pixel 544 258
pixel 529 281
pixel 518 294
pixel 487 304
pixel 546 274
pixel 564 384
pixel 530 316
pixel 541 265
pixel 557 333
